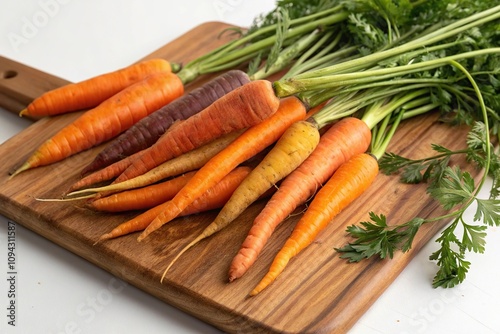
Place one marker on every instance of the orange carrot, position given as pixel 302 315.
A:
pixel 91 92
pixel 251 142
pixel 349 181
pixel 340 142
pixel 211 199
pixel 102 175
pixel 294 146
pixel 141 198
pixel 189 161
pixel 107 120
pixel 241 108
pixel 217 196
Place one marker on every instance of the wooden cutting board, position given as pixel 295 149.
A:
pixel 318 292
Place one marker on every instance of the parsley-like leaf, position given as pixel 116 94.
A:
pixel 489 211
pixel 455 187
pixel 451 260
pixel 377 238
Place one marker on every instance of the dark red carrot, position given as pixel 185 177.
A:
pixel 147 131
pixel 243 107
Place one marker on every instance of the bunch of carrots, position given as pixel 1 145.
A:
pixel 318 132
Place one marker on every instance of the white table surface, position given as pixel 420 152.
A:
pixel 58 292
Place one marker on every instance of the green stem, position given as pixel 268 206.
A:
pixel 317 62
pixel 485 120
pixel 428 39
pixel 287 56
pixel 420 110
pixel 255 35
pixel 382 145
pixel 219 60
pixel 375 115
pixel 295 85
pixel 378 131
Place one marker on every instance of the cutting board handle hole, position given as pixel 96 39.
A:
pixel 9 74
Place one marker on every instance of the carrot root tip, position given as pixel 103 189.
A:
pixel 142 236
pixel 102 238
pixel 23 168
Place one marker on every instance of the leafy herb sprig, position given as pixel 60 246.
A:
pixel 454 189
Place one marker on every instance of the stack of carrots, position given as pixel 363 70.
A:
pixel 176 154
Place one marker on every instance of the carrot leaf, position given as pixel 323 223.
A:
pixel 452 264
pixel 489 211
pixel 378 238
pixel 453 188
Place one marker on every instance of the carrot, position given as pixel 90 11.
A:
pixel 341 141
pixel 350 180
pixel 243 107
pixel 212 198
pixel 189 161
pixel 91 92
pixel 217 196
pixel 102 175
pixel 141 198
pixel 147 131
pixel 107 120
pixel 251 142
pixel 294 146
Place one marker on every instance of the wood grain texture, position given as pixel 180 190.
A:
pixel 20 84
pixel 317 293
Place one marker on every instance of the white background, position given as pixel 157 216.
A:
pixel 58 292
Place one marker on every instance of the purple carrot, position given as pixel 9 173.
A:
pixel 147 131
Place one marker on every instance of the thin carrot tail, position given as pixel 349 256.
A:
pixel 185 249
pixel 250 249
pixel 102 175
pixel 102 238
pixel 280 262
pixel 171 211
pixel 135 224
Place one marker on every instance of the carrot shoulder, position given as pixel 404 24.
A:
pixel 247 145
pixel 91 92
pixel 146 132
pixel 107 120
pixel 243 107
pixel 347 183
pixel 347 137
